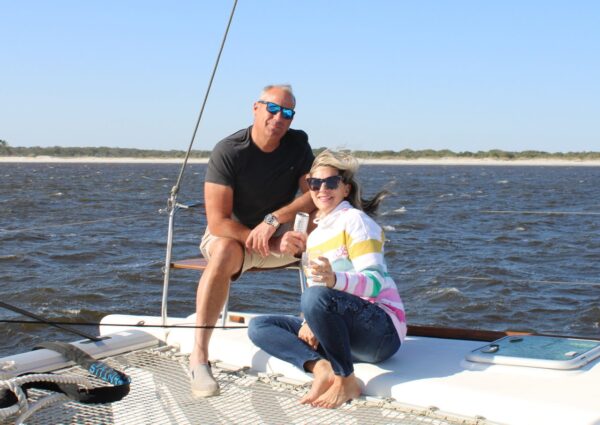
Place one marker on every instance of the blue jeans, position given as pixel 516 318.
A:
pixel 347 327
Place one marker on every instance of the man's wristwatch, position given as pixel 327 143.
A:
pixel 271 220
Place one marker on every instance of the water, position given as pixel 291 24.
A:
pixel 79 241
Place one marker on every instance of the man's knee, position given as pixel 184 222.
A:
pixel 226 255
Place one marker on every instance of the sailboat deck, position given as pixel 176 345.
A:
pixel 427 382
pixel 160 395
pixel 433 373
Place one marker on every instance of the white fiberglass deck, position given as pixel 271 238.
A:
pixel 431 372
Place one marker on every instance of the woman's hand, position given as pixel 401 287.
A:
pixel 321 271
pixel 306 335
pixel 292 243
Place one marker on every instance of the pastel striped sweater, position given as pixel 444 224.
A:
pixel 353 244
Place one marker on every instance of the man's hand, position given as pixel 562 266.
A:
pixel 292 243
pixel 306 335
pixel 258 239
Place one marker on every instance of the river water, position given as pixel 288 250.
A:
pixel 488 247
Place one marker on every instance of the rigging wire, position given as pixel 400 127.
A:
pixel 441 275
pixel 175 188
pixel 49 323
pixel 100 220
pixel 131 216
pixel 172 204
pixel 540 212
pixel 75 223
pixel 551 282
pixel 133 325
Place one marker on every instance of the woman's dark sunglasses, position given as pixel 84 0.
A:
pixel 331 182
pixel 274 108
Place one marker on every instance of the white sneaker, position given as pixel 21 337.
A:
pixel 203 382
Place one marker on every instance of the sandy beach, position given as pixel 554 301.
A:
pixel 421 161
pixel 99 160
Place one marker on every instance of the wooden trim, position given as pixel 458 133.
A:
pixel 475 334
pixel 190 264
pixel 460 333
pixel 200 264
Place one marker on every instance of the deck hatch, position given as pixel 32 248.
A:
pixel 538 351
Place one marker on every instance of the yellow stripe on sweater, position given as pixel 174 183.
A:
pixel 338 240
pixel 370 246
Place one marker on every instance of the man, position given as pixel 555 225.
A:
pixel 250 190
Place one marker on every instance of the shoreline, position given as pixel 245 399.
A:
pixel 418 161
pixel 98 160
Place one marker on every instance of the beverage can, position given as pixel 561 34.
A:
pixel 301 222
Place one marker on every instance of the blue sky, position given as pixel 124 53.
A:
pixel 373 75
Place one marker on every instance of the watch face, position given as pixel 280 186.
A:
pixel 270 219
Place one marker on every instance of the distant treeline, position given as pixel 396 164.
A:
pixel 106 152
pixel 100 152
pixel 491 154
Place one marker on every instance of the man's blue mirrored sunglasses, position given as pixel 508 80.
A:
pixel 274 108
pixel 331 183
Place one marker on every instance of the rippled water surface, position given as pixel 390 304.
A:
pixel 469 246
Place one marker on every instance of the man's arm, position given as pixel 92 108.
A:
pixel 258 238
pixel 301 203
pixel 218 201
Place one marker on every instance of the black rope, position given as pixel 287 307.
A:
pixel 136 325
pixel 101 394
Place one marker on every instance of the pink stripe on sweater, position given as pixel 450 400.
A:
pixel 389 294
pixel 359 289
pixel 345 282
pixel 399 314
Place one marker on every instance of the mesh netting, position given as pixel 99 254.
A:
pixel 160 394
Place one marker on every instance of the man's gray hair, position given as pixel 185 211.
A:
pixel 285 87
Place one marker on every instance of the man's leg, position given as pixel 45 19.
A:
pixel 226 259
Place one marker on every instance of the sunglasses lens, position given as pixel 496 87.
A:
pixel 273 108
pixel 313 184
pixel 288 114
pixel 331 183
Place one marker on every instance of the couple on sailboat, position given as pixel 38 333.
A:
pixel 352 310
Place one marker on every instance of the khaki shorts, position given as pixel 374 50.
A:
pixel 251 259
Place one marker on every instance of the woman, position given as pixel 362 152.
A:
pixel 352 308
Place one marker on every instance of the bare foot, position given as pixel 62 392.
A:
pixel 342 390
pixel 323 379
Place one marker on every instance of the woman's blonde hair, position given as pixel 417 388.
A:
pixel 347 166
